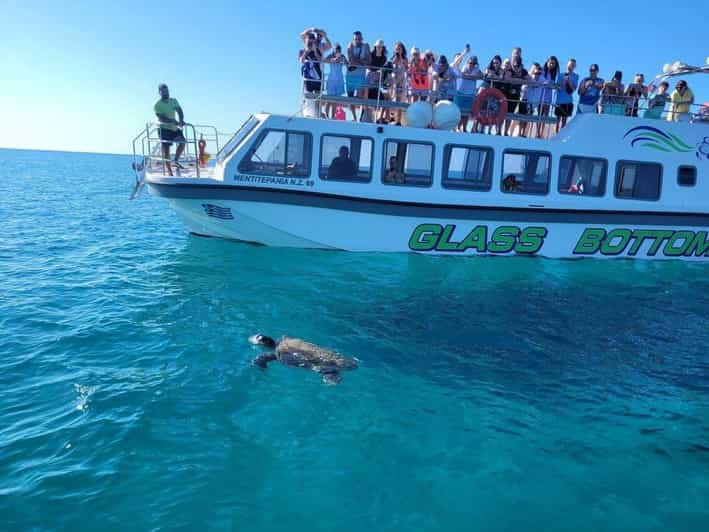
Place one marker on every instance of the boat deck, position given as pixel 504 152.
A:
pixel 189 168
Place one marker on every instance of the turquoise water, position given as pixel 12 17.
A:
pixel 493 394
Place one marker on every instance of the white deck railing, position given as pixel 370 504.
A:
pixel 147 150
pixel 630 106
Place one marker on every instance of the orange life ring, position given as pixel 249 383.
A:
pixel 495 107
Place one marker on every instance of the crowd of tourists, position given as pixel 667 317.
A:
pixel 544 89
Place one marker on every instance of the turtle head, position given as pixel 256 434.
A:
pixel 260 339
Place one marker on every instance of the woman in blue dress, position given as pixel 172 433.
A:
pixel 335 84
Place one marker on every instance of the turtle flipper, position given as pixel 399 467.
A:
pixel 331 378
pixel 262 360
pixel 330 375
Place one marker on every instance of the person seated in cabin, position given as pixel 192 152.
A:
pixel 318 36
pixel 393 174
pixel 576 187
pixel 590 91
pixel 169 131
pixel 612 99
pixel 681 99
pixel 342 167
pixel 656 103
pixel 633 92
pixel 510 184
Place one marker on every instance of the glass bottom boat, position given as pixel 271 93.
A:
pixel 605 186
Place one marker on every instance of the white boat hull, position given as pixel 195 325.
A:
pixel 297 205
pixel 285 225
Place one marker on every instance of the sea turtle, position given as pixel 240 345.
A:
pixel 299 353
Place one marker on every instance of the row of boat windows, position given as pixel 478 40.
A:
pixel 408 163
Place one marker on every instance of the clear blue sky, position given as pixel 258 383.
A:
pixel 83 75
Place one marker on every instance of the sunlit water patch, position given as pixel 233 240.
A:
pixel 493 394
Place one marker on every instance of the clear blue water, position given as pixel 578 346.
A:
pixel 494 394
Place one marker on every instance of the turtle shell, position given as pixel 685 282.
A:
pixel 297 352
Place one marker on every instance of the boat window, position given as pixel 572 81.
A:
pixel 582 176
pixel 467 167
pixel 638 180
pixel 345 158
pixel 238 137
pixel 687 176
pixel 407 163
pixel 278 152
pixel 526 172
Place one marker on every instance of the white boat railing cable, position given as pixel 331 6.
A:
pixel 147 148
pixel 434 94
pixel 620 104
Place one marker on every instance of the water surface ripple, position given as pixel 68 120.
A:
pixel 494 394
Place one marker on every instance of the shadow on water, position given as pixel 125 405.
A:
pixel 448 316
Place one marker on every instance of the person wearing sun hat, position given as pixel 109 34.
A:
pixel 376 75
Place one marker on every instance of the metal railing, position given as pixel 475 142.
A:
pixel 148 154
pixel 384 82
pixel 644 107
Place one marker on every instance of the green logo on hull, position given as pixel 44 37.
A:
pixel 629 241
pixel 656 139
pixel 529 241
pixel 504 239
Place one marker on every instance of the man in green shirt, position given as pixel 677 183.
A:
pixel 165 109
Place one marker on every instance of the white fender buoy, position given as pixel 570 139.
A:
pixel 446 115
pixel 419 114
